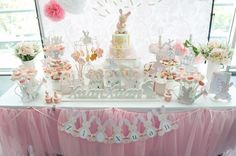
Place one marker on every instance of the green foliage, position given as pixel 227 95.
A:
pixel 25 57
pixel 195 50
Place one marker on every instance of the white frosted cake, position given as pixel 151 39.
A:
pixel 121 48
pixel 122 67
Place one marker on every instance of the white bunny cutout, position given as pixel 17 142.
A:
pixel 117 132
pixel 165 124
pixel 101 134
pixel 133 131
pixel 150 130
pixel 84 131
pixel 69 126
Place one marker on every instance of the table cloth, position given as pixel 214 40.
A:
pixel 204 129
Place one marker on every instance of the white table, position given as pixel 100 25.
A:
pixel 11 100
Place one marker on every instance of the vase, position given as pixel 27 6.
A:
pixel 29 63
pixel 56 85
pixel 211 68
pixel 29 91
pixel 159 87
pixel 187 94
pixel 67 87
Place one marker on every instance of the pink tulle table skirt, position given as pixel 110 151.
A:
pixel 200 132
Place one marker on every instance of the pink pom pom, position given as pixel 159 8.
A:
pixel 54 11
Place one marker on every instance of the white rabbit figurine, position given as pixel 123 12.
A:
pixel 121 25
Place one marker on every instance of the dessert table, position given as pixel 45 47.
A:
pixel 206 128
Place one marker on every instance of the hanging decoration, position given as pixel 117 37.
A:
pixel 72 6
pixel 54 11
pixel 155 123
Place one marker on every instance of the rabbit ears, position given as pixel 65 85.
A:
pixel 86 33
pixel 127 14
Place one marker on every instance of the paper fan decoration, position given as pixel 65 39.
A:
pixel 54 11
pixel 106 8
pixel 72 6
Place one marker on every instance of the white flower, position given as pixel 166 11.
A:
pixel 219 55
pixel 26 48
pixel 214 44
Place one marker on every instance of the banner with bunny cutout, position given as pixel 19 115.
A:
pixel 110 130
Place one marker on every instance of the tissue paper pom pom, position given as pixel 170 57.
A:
pixel 54 11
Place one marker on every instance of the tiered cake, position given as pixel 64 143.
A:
pixel 121 48
pixel 120 44
pixel 122 66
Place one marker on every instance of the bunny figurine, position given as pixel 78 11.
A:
pixel 121 25
pixel 87 39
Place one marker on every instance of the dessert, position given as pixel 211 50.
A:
pixel 122 68
pixel 120 44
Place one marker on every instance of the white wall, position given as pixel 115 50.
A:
pixel 175 19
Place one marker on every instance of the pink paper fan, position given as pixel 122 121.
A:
pixel 54 11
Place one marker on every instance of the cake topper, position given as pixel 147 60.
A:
pixel 121 25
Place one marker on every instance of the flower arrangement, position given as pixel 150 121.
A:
pixel 58 70
pixel 23 74
pixel 27 51
pixel 180 49
pixel 189 77
pixel 189 87
pixel 213 51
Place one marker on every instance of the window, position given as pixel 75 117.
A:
pixel 18 22
pixel 223 24
pixel 222 20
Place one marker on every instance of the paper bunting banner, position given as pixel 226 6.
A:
pixel 119 134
